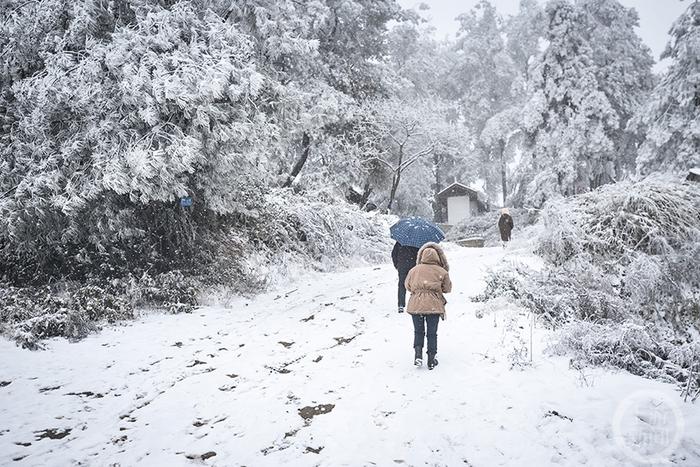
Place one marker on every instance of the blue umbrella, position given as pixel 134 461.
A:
pixel 416 232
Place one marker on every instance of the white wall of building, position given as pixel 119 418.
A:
pixel 458 209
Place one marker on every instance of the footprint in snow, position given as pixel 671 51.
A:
pixel 49 388
pixel 203 457
pixel 94 395
pixel 195 363
pixel 344 340
pixel 52 433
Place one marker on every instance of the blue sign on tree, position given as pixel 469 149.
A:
pixel 186 201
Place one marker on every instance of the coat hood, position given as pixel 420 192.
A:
pixel 432 253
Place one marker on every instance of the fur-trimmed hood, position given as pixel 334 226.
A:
pixel 435 256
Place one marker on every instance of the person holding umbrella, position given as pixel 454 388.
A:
pixel 404 258
pixel 422 268
pixel 410 234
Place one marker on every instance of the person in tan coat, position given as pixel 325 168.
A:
pixel 428 281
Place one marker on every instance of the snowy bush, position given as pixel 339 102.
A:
pixel 621 276
pixel 298 232
pixel 327 230
pixel 30 314
pixel 639 347
pixel 287 233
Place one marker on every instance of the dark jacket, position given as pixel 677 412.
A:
pixel 505 225
pixel 404 257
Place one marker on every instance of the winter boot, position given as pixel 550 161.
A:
pixel 432 361
pixel 401 309
pixel 418 359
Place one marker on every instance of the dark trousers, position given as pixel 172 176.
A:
pixel 420 323
pixel 402 287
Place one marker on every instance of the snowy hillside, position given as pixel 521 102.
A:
pixel 320 373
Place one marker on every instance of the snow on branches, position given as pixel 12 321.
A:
pixel 621 257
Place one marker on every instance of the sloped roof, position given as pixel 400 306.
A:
pixel 460 189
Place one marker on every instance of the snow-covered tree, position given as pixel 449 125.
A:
pixel 523 33
pixel 419 62
pixel 483 73
pixel 425 69
pixel 326 56
pixel 405 140
pixel 568 119
pixel 502 134
pixel 108 139
pixel 624 71
pixel 671 118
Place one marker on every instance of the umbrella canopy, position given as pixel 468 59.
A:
pixel 416 232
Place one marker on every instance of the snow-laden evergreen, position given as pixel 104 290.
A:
pixel 670 120
pixel 568 118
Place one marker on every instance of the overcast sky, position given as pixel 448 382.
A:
pixel 655 17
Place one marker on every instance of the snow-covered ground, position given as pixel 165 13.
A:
pixel 320 373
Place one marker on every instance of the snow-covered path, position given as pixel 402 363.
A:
pixel 321 374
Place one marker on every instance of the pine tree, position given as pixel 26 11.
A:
pixel 568 120
pixel 484 80
pixel 670 120
pixel 624 72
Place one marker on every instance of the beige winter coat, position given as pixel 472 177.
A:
pixel 428 281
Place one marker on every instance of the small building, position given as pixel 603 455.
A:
pixel 694 175
pixel 458 202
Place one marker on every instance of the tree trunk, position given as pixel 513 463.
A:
pixel 395 180
pixel 305 145
pixel 394 186
pixel 437 208
pixel 367 191
pixel 504 188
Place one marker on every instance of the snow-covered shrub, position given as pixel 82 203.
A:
pixel 639 347
pixel 484 226
pixel 331 230
pixel 172 290
pixel 296 232
pixel 73 309
pixel 30 314
pixel 287 233
pixel 623 257
pixel 500 283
